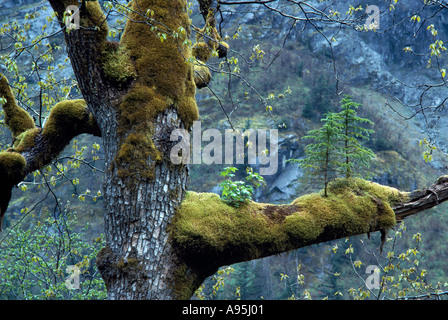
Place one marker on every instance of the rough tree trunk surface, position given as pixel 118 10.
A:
pixel 162 242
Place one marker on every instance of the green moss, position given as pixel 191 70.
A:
pixel 163 79
pixel 26 140
pixel 12 168
pixel 223 47
pixel 354 206
pixel 92 17
pixel 68 119
pixel 208 40
pixel 17 119
pixel 117 63
pixel 162 65
pixel 202 76
pixel 138 109
pixel 133 156
pixel 201 51
pixel 206 224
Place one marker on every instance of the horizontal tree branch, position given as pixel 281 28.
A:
pixel 421 200
pixel 211 233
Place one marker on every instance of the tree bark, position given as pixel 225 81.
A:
pixel 421 200
pixel 139 261
pixel 136 117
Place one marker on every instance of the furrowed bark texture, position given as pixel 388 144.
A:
pixel 138 262
pixel 136 112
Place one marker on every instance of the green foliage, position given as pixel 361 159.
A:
pixel 336 146
pixel 34 261
pixel 322 156
pixel 236 193
pixel 402 271
pixel 216 283
pixel 429 149
pixel 354 154
pixel 319 101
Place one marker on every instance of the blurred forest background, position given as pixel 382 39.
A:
pixel 294 70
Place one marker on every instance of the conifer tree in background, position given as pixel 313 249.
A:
pixel 322 156
pixel 355 155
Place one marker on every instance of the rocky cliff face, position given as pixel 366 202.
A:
pixel 377 61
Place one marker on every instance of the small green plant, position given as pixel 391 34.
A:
pixel 429 149
pixel 236 193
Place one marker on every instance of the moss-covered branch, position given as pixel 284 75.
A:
pixel 206 226
pixel 34 147
pixel 17 119
pixel 210 233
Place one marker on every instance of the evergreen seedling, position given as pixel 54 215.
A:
pixel 354 153
pixel 322 156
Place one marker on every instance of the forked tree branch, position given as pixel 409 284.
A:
pixel 35 147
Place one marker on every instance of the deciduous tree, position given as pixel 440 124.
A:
pixel 162 242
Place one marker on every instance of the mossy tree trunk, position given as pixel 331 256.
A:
pixel 160 243
pixel 139 90
pixel 136 92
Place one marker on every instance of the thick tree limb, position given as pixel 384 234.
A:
pixel 17 119
pixel 86 47
pixel 206 225
pixel 207 229
pixel 421 200
pixel 34 147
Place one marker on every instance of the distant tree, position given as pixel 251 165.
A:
pixel 318 102
pixel 355 155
